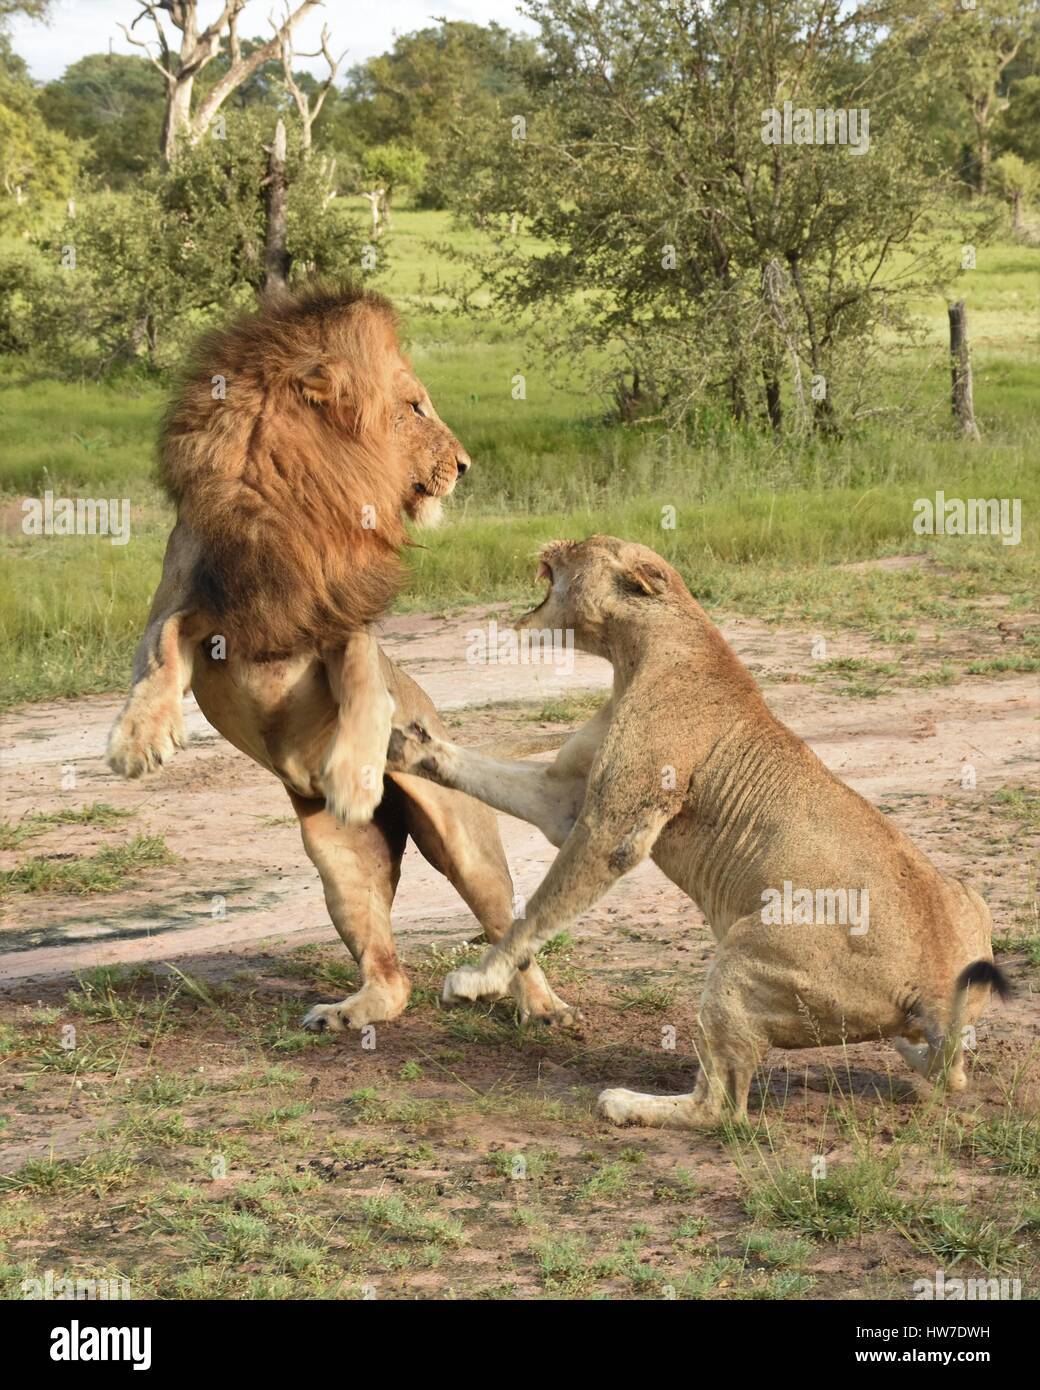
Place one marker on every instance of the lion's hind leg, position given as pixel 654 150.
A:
pixel 352 775
pixel 359 867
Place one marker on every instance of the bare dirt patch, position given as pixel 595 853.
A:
pixel 188 1136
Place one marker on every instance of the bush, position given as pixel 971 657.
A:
pixel 132 276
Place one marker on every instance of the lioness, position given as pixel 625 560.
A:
pixel 686 763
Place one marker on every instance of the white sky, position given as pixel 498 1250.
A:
pixel 363 27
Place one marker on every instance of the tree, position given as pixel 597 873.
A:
pixel 687 227
pixel 198 48
pixel 1017 182
pixel 969 49
pixel 386 169
pixel 35 160
pixel 308 97
pixel 434 90
pixel 1018 129
pixel 114 102
pixel 130 277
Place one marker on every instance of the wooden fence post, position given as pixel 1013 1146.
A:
pixel 960 371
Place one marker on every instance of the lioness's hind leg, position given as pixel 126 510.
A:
pixel 935 1062
pixel 731 1040
pixel 359 867
pixel 352 775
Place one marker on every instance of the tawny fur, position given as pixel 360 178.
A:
pixel 685 763
pixel 295 445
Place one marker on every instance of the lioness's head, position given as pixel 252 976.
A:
pixel 600 583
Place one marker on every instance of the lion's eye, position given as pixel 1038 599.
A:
pixel 417 407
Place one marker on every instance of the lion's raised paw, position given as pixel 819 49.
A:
pixel 138 745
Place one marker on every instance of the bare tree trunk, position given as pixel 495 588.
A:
pixel 774 404
pixel 276 257
pixel 375 200
pixel 176 116
pixel 960 371
pixel 197 48
pixel 308 111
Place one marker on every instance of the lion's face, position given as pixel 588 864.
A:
pixel 437 458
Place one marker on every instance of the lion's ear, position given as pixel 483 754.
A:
pixel 316 384
pixel 645 578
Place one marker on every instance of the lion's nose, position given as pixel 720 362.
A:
pixel 462 462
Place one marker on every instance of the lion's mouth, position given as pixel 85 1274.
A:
pixel 437 489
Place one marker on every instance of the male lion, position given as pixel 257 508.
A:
pixel 299 437
pixel 686 763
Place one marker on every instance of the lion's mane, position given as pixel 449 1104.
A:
pixel 279 453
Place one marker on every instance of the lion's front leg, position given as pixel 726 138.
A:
pixel 150 727
pixel 352 775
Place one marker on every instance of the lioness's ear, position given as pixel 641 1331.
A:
pixel 645 578
pixel 316 384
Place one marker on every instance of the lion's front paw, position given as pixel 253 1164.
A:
pixel 488 980
pixel 410 748
pixel 143 740
pixel 352 790
pixel 377 1001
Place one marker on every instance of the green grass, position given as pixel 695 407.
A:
pixel 851 1198
pixel 759 528
pixel 14 833
pixel 102 872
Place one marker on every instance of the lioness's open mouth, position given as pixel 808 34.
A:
pixel 544 571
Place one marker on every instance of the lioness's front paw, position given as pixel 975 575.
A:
pixel 472 982
pixel 619 1106
pixel 410 750
pixel 142 742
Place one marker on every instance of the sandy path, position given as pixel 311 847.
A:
pixel 239 850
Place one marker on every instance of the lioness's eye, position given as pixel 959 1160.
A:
pixel 417 407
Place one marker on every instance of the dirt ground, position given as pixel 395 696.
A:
pixel 189 1137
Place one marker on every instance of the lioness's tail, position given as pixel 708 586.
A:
pixel 980 972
